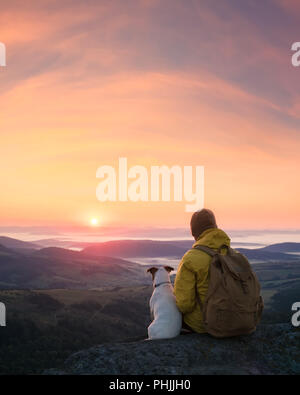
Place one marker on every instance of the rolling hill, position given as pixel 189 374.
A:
pixel 260 254
pixel 61 268
pixel 283 247
pixel 17 244
pixel 136 248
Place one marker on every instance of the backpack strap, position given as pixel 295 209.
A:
pixel 210 251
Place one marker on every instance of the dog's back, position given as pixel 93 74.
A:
pixel 167 318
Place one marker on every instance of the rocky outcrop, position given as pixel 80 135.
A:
pixel 272 349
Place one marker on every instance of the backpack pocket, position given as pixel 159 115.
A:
pixel 234 322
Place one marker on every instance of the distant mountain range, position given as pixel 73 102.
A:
pixel 61 268
pixel 137 248
pixel 260 254
pixel 283 247
pixel 149 248
pixel 16 244
pixel 26 265
pixel 176 249
pixel 81 244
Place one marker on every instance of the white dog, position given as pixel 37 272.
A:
pixel 167 318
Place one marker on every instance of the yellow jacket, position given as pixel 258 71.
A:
pixel 193 272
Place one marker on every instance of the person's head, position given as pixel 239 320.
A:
pixel 202 220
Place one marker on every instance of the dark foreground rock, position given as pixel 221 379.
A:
pixel 272 349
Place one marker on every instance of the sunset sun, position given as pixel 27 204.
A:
pixel 94 221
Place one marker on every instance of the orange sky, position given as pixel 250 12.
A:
pixel 172 82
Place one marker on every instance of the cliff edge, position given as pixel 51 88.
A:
pixel 272 349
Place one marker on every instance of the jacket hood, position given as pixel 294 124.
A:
pixel 213 238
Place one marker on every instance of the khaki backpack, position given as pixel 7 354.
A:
pixel 233 305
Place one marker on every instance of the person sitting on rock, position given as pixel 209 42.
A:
pixel 192 273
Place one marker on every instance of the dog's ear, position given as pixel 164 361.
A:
pixel 168 268
pixel 152 270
